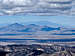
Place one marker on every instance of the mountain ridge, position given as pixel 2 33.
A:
pixel 27 28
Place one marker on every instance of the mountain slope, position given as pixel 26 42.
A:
pixel 27 28
pixel 46 28
pixel 13 27
pixel 44 23
pixel 31 28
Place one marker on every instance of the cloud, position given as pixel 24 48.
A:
pixel 36 7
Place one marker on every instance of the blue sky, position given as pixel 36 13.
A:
pixel 64 20
pixel 42 7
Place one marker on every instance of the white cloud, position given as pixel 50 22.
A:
pixel 35 7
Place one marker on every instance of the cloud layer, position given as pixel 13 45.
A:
pixel 37 7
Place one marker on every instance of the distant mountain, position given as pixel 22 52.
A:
pixel 16 25
pixel 71 30
pixel 31 28
pixel 47 28
pixel 44 23
pixel 13 27
pixel 34 28
pixel 27 28
pixel 48 23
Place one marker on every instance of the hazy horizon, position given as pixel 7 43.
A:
pixel 63 20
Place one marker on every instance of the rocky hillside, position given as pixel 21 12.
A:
pixel 39 50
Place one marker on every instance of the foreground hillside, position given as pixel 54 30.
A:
pixel 39 50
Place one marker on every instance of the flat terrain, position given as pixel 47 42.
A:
pixel 33 35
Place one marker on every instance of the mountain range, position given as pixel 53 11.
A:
pixel 27 28
pixel 40 26
pixel 43 23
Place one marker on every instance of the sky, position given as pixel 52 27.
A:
pixel 63 20
pixel 56 11
pixel 37 7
